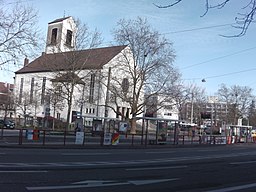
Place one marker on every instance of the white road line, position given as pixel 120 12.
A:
pixel 234 188
pixel 242 162
pixel 156 168
pixel 207 150
pixel 159 152
pixel 72 186
pixel 84 154
pixel 23 171
pixel 100 183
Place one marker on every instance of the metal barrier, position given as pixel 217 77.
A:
pixel 63 138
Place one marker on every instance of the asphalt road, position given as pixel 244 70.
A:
pixel 211 169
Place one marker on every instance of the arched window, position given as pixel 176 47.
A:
pixel 69 37
pixel 92 85
pixel 54 36
pixel 125 85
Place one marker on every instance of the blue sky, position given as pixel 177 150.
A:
pixel 200 50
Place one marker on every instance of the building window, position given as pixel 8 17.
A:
pixel 69 37
pixel 118 112
pixel 58 115
pixel 54 36
pixel 32 89
pixel 125 85
pixel 92 84
pixel 43 90
pixel 58 92
pixel 21 89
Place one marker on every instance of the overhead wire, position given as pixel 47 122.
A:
pixel 218 58
pixel 196 29
pixel 191 30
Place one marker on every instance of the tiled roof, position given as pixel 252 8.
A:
pixel 5 87
pixel 59 20
pixel 84 59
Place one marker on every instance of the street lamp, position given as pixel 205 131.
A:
pixel 212 100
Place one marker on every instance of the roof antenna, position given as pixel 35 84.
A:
pixel 64 14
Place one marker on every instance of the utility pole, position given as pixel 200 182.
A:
pixel 192 108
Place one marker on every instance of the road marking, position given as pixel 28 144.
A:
pixel 23 171
pixel 159 152
pixel 145 182
pixel 122 162
pixel 207 150
pixel 234 188
pixel 100 183
pixel 89 182
pixel 84 154
pixel 242 162
pixel 156 168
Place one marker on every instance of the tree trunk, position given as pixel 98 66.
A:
pixel 133 126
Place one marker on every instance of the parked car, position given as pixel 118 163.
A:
pixel 7 124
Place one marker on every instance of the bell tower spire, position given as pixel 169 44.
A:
pixel 60 36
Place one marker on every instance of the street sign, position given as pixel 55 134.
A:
pixel 123 126
pixel 107 139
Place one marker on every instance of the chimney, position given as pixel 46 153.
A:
pixel 26 61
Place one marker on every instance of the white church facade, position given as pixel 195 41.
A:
pixel 63 75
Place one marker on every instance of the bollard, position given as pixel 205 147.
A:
pixel 20 136
pixel 65 132
pixel 43 137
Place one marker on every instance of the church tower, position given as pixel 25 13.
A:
pixel 60 36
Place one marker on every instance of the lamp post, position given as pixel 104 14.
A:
pixel 192 108
pixel 212 100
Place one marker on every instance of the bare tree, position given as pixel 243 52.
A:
pixel 192 96
pixel 19 34
pixel 238 99
pixel 26 106
pixel 243 20
pixel 252 114
pixel 56 103
pixel 7 102
pixel 149 72
pixel 197 98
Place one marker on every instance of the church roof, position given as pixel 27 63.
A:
pixel 83 59
pixel 59 20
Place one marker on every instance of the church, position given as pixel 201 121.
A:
pixel 66 84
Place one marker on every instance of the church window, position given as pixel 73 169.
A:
pixel 125 85
pixel 43 91
pixel 92 84
pixel 69 37
pixel 21 89
pixel 32 89
pixel 54 36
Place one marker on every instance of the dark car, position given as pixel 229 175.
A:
pixel 7 124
